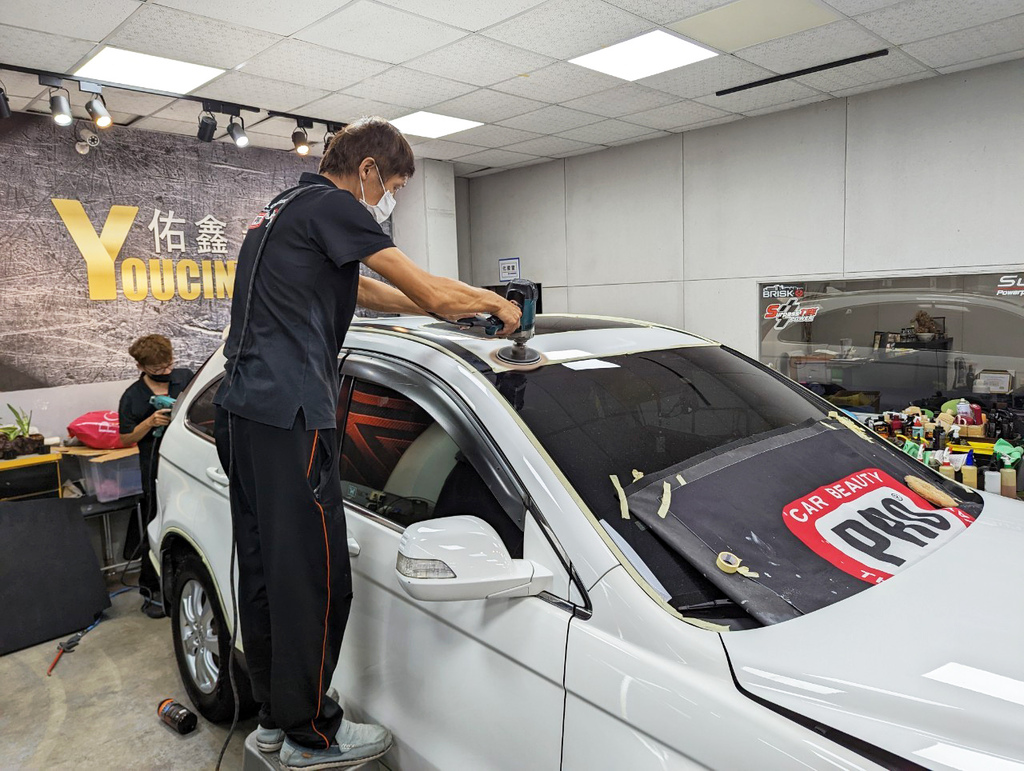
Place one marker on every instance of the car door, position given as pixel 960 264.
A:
pixel 461 684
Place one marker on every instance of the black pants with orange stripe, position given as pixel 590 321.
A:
pixel 294 577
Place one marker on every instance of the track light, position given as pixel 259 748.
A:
pixel 60 109
pixel 301 141
pixel 207 128
pixel 237 133
pixel 98 112
pixel 5 106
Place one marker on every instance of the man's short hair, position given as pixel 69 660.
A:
pixel 152 351
pixel 369 138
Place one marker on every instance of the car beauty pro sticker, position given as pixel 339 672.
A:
pixel 870 525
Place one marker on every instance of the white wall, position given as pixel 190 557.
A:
pixel 424 218
pixel 53 408
pixel 926 178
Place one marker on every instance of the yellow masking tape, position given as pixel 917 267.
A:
pixel 622 496
pixel 728 562
pixel 666 499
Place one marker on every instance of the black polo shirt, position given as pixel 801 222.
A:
pixel 302 303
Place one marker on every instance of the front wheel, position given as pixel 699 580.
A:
pixel 202 645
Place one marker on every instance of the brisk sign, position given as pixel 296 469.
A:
pixel 871 526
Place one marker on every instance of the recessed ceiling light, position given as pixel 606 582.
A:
pixel 431 125
pixel 114 65
pixel 644 56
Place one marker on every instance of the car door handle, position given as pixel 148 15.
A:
pixel 353 547
pixel 215 474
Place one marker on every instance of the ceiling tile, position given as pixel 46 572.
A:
pixel 28 48
pixel 167 126
pixel 534 162
pixel 551 120
pixel 275 126
pixel 559 82
pixel 83 19
pixel 675 116
pixel 567 28
pixel 641 138
pixel 443 150
pixel 467 14
pixel 480 60
pixel 921 19
pixel 584 151
pixel 492 136
pixel 347 108
pixel 135 102
pixel 188 111
pixel 486 171
pixel 306 64
pixel 410 88
pixel 174 34
pixel 1009 56
pixel 667 11
pixel 463 169
pixel 855 7
pixel 749 22
pixel 875 86
pixel 706 77
pixel 269 94
pixel 487 106
pixel 278 18
pixel 19 103
pixel 760 97
pixel 606 132
pixel 715 122
pixel 896 64
pixel 380 32
pixel 549 146
pixel 21 84
pixel 496 157
pixel 820 45
pixel 985 41
pixel 621 100
pixel 788 105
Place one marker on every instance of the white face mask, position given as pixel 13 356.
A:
pixel 383 208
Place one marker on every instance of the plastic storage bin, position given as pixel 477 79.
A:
pixel 112 479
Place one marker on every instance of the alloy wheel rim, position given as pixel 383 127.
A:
pixel 199 636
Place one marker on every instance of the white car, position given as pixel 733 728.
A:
pixel 650 552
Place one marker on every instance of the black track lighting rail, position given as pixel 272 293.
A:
pixel 806 71
pixel 305 122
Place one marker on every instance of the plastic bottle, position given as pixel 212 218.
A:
pixel 946 470
pixel 176 716
pixel 1008 480
pixel 993 481
pixel 970 475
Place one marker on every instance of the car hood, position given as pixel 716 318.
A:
pixel 928 665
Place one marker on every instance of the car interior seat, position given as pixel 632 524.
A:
pixel 423 468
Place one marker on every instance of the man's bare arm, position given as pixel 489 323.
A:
pixel 378 296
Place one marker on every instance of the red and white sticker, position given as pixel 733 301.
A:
pixel 870 525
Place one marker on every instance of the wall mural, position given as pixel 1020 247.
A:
pixel 139 236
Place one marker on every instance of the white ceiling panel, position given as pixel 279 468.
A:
pixel 676 116
pixel 874 86
pixel 987 40
pixel 492 136
pixel 567 28
pixel 443 150
pixel 28 48
pixel 83 19
pixel 167 126
pixel 534 162
pixel 188 111
pixel 551 120
pixel 480 60
pixel 133 102
pixel 558 83
pixel 715 122
pixel 347 108
pixel 496 157
pixel 376 31
pixel 921 19
pixel 306 64
pixel 894 65
pixel 488 171
pixel 788 105
pixel 621 100
pixel 761 97
pixel 606 132
pixel 585 151
pixel 706 77
pixel 550 146
pixel 811 47
pixel 174 34
pixel 668 11
pixel 473 15
pixel 19 103
pixel 276 126
pixel 463 169
pixel 487 106
pixel 20 84
pixel 1009 56
pixel 641 138
pixel 855 7
pixel 269 94
pixel 401 85
pixel 278 18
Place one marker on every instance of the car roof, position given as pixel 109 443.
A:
pixel 559 337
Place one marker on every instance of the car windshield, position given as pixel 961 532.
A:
pixel 694 457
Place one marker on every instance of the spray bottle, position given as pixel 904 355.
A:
pixel 993 478
pixel 970 471
pixel 1007 478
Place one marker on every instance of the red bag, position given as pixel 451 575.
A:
pixel 100 430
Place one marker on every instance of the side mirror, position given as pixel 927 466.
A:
pixel 462 558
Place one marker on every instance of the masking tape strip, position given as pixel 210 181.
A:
pixel 680 480
pixel 666 499
pixel 637 475
pixel 622 496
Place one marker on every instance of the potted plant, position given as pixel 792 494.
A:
pixel 19 439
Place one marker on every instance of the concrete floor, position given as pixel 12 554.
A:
pixel 98 710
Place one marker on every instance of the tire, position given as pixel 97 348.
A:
pixel 202 645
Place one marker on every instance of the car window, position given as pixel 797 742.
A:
pixel 398 462
pixel 201 412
